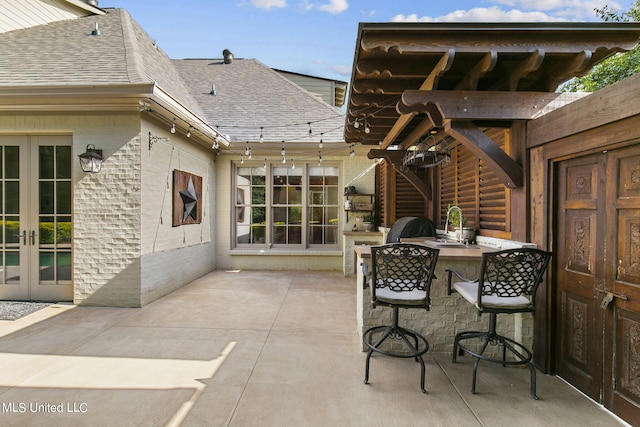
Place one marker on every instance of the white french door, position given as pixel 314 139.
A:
pixel 35 218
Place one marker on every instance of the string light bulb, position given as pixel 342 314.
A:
pixel 261 135
pixel 283 151
pixel 247 150
pixel 293 165
pixel 173 126
pixel 319 158
pixel 189 132
pixel 352 151
pixel 320 144
pixel 310 132
pixel 356 124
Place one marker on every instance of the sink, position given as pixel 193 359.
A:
pixel 437 243
pixel 450 244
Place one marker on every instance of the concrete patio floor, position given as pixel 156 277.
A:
pixel 251 348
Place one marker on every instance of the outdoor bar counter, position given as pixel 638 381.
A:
pixel 449 314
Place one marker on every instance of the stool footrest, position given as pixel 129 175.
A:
pixel 420 346
pixel 416 344
pixel 522 354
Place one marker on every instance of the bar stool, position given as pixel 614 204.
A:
pixel 401 275
pixel 507 284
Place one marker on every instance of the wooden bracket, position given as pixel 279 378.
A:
pixel 394 157
pixel 505 167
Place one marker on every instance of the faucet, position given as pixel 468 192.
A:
pixel 446 224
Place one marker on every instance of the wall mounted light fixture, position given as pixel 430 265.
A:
pixel 91 160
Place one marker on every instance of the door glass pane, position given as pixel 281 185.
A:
pixel 13 267
pixel 63 266
pixel 63 230
pixel 47 162
pixel 11 162
pixel 12 197
pixel 46 197
pixel 63 197
pixel 46 266
pixel 47 230
pixel 12 231
pixel 63 162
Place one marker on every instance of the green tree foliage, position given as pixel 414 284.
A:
pixel 616 67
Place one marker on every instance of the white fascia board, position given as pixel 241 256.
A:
pixel 182 113
pixel 86 6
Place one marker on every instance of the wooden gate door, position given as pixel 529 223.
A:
pixel 598 278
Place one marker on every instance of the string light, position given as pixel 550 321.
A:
pixel 283 151
pixel 293 165
pixel 319 158
pixel 189 132
pixel 247 150
pixel 264 165
pixel 173 126
pixel 261 135
pixel 241 160
pixel 320 144
pixel 356 124
pixel 352 151
pixel 310 132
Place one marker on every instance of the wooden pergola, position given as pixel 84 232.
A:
pixel 455 80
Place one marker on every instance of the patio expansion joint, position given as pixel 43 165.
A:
pixel 264 343
pixel 475 415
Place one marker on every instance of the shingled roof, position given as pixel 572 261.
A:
pixel 250 96
pixel 65 53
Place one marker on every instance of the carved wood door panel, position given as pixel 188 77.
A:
pixel 598 272
pixel 622 283
pixel 579 267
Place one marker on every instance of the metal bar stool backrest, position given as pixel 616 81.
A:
pixel 402 274
pixel 511 273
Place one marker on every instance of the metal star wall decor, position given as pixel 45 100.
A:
pixel 187 198
pixel 190 199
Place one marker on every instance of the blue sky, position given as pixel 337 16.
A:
pixel 317 37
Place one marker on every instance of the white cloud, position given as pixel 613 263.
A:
pixel 481 14
pixel 342 70
pixel 268 4
pixel 334 6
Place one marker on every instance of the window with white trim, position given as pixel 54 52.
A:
pixel 279 206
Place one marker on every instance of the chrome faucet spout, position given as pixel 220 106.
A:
pixel 446 224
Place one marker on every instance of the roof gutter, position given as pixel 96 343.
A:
pixel 113 98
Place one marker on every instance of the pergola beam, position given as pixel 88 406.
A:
pixel 429 83
pixel 484 105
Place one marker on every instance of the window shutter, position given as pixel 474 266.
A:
pixel 470 184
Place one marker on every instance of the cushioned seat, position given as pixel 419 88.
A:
pixel 507 284
pixel 401 275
